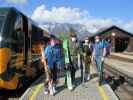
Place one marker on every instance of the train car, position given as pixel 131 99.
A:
pixel 20 42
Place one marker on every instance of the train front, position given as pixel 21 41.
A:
pixel 7 78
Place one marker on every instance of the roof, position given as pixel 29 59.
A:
pixel 110 28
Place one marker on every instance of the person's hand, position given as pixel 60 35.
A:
pixel 92 58
pixel 42 60
pixel 102 59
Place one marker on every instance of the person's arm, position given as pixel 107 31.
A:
pixel 44 60
pixel 42 55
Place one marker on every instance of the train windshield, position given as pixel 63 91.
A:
pixel 1 22
pixel 4 42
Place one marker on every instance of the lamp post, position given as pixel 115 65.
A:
pixel 113 41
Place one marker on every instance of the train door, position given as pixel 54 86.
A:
pixel 26 40
pixel 18 43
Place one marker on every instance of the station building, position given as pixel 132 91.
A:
pixel 121 40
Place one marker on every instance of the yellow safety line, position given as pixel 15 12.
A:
pixel 102 92
pixel 35 92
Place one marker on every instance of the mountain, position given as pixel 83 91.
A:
pixel 57 28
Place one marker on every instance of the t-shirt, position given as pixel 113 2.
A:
pixel 49 56
pixel 98 47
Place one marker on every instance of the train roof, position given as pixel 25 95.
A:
pixel 7 10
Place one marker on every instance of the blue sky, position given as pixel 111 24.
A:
pixel 93 11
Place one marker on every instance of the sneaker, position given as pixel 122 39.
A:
pixel 70 88
pixel 54 90
pixel 51 90
pixel 46 91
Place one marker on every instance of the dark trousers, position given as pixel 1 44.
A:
pixel 55 70
pixel 73 71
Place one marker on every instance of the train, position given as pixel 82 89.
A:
pixel 20 55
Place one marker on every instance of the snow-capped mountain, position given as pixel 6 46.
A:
pixel 57 28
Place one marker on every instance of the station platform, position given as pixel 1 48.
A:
pixel 82 91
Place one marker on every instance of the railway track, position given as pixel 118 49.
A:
pixel 121 83
pixel 121 58
pixel 116 72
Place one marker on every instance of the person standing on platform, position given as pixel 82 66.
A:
pixel 57 61
pixel 49 68
pixel 45 65
pixel 71 48
pixel 87 58
pixel 99 53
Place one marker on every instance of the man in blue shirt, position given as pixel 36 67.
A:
pixel 99 52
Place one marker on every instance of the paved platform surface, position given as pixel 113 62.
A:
pixel 87 91
pixel 125 67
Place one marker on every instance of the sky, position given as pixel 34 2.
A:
pixel 94 14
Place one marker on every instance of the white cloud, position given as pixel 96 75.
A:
pixel 61 14
pixel 76 16
pixel 129 26
pixel 17 1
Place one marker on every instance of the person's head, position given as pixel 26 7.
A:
pixel 86 40
pixel 97 38
pixel 73 37
pixel 52 42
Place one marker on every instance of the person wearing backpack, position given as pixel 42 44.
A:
pixel 57 61
pixel 87 58
pixel 49 65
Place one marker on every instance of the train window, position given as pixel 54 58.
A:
pixel 18 23
pixel 18 35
